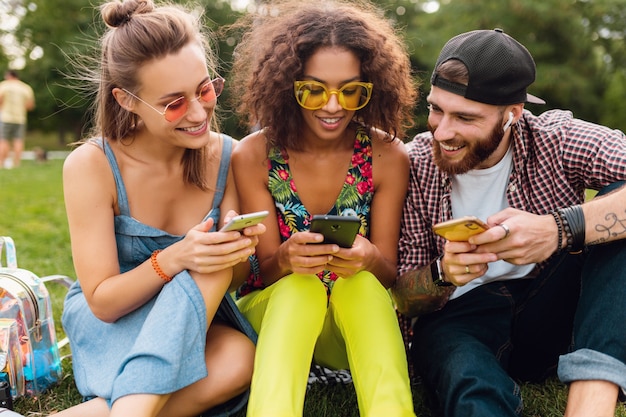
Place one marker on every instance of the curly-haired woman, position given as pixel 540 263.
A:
pixel 329 85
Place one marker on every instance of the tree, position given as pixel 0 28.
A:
pixel 46 32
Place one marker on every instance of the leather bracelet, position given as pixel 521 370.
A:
pixel 574 227
pixel 559 228
pixel 157 268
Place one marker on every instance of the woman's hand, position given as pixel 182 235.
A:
pixel 304 253
pixel 205 252
pixel 348 261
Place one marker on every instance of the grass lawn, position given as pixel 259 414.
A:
pixel 32 213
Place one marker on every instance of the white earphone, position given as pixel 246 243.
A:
pixel 508 123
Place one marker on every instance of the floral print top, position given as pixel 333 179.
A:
pixel 354 199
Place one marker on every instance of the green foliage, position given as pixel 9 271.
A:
pixel 54 31
pixel 220 13
pixel 614 102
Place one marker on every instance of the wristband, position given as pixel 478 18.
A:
pixel 437 273
pixel 559 227
pixel 574 227
pixel 157 268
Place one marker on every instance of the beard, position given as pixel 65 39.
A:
pixel 477 152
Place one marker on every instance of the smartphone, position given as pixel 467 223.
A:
pixel 459 230
pixel 244 220
pixel 340 230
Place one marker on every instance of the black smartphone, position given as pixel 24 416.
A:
pixel 244 220
pixel 340 230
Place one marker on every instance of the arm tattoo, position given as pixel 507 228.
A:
pixel 615 227
pixel 415 293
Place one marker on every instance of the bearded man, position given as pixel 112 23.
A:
pixel 543 288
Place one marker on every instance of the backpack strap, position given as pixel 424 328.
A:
pixel 11 258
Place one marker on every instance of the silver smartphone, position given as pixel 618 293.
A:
pixel 244 220
pixel 340 230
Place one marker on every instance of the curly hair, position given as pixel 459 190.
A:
pixel 278 40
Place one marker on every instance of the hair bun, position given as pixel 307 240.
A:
pixel 116 13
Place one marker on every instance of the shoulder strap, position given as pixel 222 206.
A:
pixel 222 175
pixel 122 199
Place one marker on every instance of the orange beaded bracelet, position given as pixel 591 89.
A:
pixel 157 268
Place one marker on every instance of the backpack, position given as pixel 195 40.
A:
pixel 29 353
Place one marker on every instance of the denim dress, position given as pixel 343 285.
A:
pixel 158 348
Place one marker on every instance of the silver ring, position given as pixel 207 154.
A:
pixel 467 271
pixel 507 231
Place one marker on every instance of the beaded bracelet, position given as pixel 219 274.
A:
pixel 574 227
pixel 559 227
pixel 157 268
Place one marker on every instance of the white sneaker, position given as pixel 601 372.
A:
pixel 5 412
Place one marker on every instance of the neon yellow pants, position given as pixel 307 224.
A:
pixel 358 330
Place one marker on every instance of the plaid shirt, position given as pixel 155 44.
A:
pixel 555 158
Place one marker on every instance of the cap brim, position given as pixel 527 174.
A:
pixel 534 99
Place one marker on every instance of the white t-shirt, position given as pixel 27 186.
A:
pixel 481 193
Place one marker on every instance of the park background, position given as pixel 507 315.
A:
pixel 578 46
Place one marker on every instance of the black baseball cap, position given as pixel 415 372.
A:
pixel 500 68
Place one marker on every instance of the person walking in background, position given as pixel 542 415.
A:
pixel 152 329
pixel 16 100
pixel 329 85
pixel 545 284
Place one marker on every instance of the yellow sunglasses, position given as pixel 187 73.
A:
pixel 313 95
